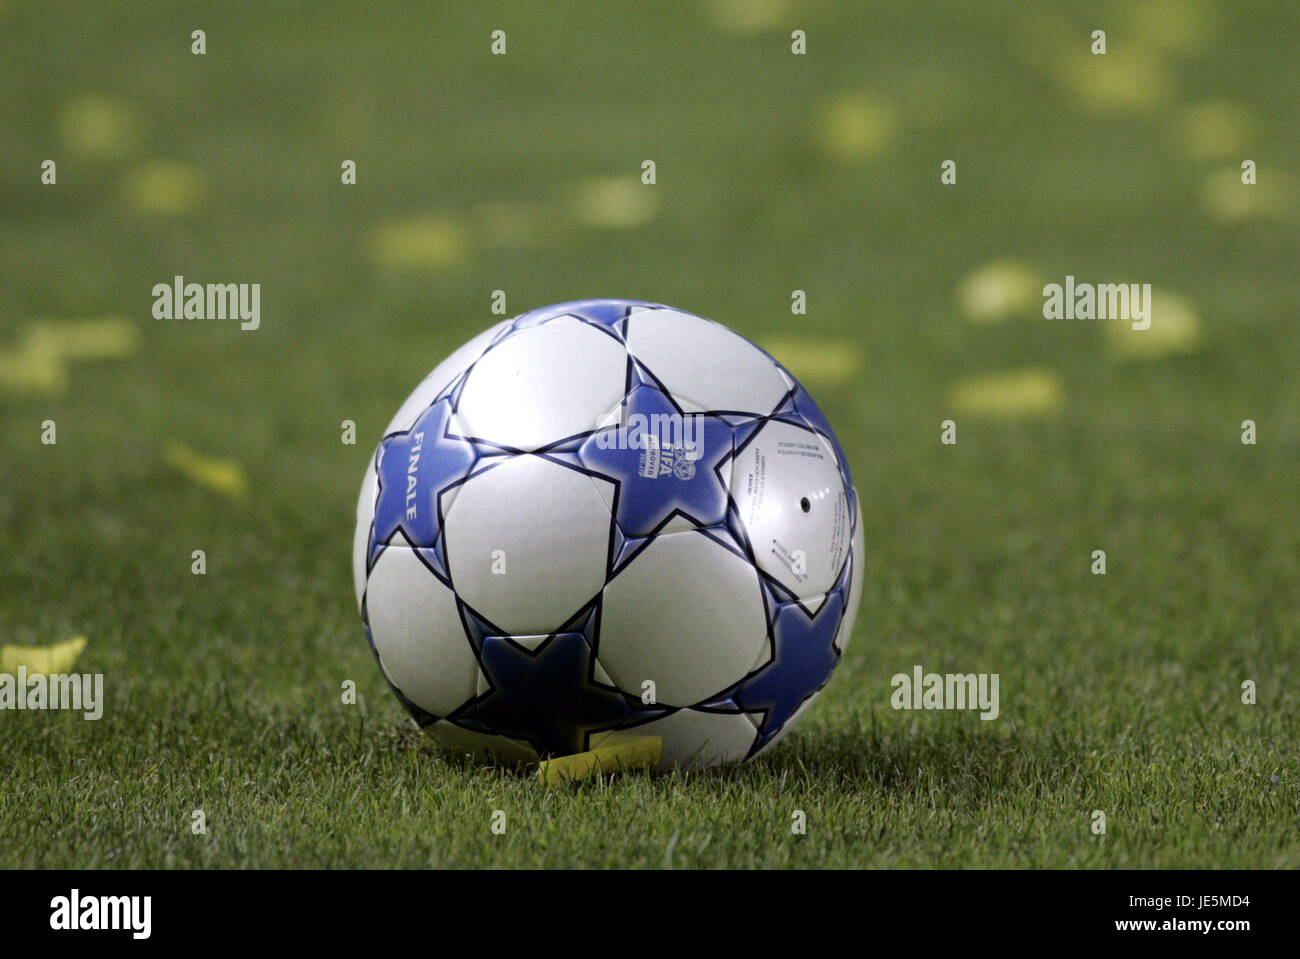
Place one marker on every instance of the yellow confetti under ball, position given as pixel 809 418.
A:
pixel 642 753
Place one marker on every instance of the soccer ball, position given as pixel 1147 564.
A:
pixel 606 520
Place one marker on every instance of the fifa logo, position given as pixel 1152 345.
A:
pixel 658 460
pixel 669 443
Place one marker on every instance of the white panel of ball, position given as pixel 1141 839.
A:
pixel 791 498
pixel 417 633
pixel 704 365
pixel 527 543
pixel 686 614
pixel 543 384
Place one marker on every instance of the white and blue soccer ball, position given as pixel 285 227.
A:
pixel 605 520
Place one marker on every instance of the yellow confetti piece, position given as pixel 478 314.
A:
pixel 1030 391
pixel 98 125
pixel 1175 328
pixel 107 338
pixel 855 126
pixel 745 16
pixel 427 240
pixel 33 369
pixel 165 188
pixel 37 364
pixel 1123 79
pixel 1214 130
pixel 58 658
pixel 612 202
pixel 816 361
pixel 1226 199
pixel 223 476
pixel 999 290
pixel 631 754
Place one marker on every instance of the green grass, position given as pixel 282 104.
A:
pixel 1119 693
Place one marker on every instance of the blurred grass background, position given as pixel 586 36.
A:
pixel 775 172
